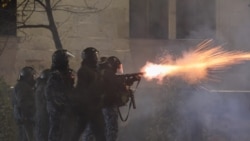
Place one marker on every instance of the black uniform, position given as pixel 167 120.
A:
pixel 57 91
pixel 42 117
pixel 89 88
pixel 113 87
pixel 24 104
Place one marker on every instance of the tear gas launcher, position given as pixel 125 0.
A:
pixel 128 80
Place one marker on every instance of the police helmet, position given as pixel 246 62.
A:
pixel 27 73
pixel 90 53
pixel 115 64
pixel 60 56
pixel 45 74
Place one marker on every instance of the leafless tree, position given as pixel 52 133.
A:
pixel 27 8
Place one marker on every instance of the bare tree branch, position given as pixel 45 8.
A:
pixel 69 8
pixel 21 3
pixel 56 3
pixel 29 7
pixel 4 46
pixel 93 4
pixel 25 35
pixel 28 17
pixel 52 25
pixel 41 3
pixel 67 19
pixel 24 7
pixel 86 3
pixel 34 26
pixel 81 10
pixel 33 10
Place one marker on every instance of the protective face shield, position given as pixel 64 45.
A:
pixel 45 74
pixel 90 54
pixel 60 58
pixel 27 74
pixel 119 69
pixel 70 55
pixel 115 64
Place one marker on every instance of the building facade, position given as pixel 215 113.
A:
pixel 129 29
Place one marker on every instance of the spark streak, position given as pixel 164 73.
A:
pixel 195 64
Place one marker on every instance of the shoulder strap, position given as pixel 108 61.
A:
pixel 131 103
pixel 120 114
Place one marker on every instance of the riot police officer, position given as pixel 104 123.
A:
pixel 42 117
pixel 89 88
pixel 24 103
pixel 116 95
pixel 58 89
pixel 88 133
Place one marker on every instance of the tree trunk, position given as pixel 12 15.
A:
pixel 52 26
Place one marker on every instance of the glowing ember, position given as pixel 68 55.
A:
pixel 194 64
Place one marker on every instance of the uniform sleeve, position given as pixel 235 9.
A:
pixel 82 78
pixel 114 87
pixel 24 98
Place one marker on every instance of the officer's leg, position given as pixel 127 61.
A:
pixel 38 135
pixel 88 134
pixel 79 128
pixel 42 129
pixel 55 129
pixel 21 136
pixel 111 123
pixel 70 124
pixel 29 130
pixel 98 126
pixel 66 127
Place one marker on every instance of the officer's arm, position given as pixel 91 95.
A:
pixel 21 94
pixel 25 101
pixel 83 78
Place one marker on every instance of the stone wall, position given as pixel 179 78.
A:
pixel 108 31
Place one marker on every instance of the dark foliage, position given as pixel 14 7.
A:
pixel 7 124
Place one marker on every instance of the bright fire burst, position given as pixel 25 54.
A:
pixel 195 64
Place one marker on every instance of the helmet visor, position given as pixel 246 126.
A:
pixel 70 55
pixel 119 69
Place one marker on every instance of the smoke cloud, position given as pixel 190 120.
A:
pixel 179 111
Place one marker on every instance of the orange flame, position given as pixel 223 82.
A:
pixel 194 64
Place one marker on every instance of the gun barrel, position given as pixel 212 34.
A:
pixel 135 74
pixel 132 74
